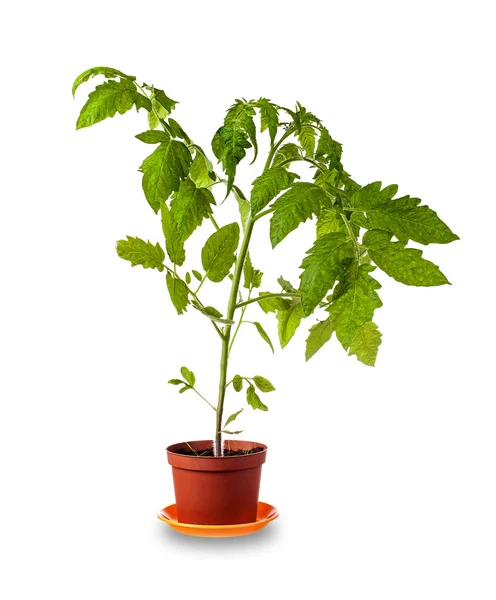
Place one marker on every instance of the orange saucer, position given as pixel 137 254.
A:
pixel 265 514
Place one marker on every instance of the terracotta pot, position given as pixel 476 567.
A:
pixel 219 490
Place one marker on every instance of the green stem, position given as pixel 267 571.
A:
pixel 262 214
pixel 266 297
pixel 203 398
pixel 289 131
pixel 214 222
pixel 239 325
pixel 226 335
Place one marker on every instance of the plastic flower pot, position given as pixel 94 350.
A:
pixel 221 490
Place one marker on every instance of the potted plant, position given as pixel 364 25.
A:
pixel 359 228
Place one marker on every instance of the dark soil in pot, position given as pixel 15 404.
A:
pixel 210 452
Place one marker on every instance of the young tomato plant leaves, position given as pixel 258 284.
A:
pixel 269 117
pixel 263 384
pixel 295 206
pixel 240 116
pixel 189 376
pixel 237 384
pixel 232 417
pixel 289 321
pixel 232 432
pixel 263 334
pixel 243 206
pixel 139 252
pixel 229 146
pixel 319 334
pixel 189 206
pixel 152 137
pixel 354 301
pixel 365 344
pixel 107 72
pixel 330 221
pixel 109 98
pixel 324 263
pixel 287 154
pixel 252 277
pixel 163 171
pixel 253 399
pixel 176 382
pixel 218 252
pixel 268 185
pixel 178 292
pixel 174 242
pixel 272 304
pixel 202 171
pixel 306 137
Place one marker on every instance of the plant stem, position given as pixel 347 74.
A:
pixel 289 131
pixel 239 325
pixel 203 398
pixel 226 335
pixel 266 297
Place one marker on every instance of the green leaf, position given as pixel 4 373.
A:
pixel 366 344
pixel 158 112
pixel 306 137
pixel 285 153
pixel 286 285
pixel 252 277
pixel 328 149
pixel 319 334
pixel 353 302
pixel 403 217
pixel 237 384
pixel 269 118
pixel 178 292
pixel 153 137
pixel 253 399
pixel 406 265
pixel 263 334
pixel 295 206
pixel 176 382
pixel 272 304
pixel 177 130
pixel 197 274
pixel 218 252
pixel 268 185
pixel 161 97
pixel 240 116
pixel 289 320
pixel 243 206
pixel 329 221
pixel 212 313
pixel 107 72
pixel 163 171
pixel 233 417
pixel 232 432
pixel 189 376
pixel 109 98
pixel 325 261
pixel 185 389
pixel 187 278
pixel 174 242
pixel 200 171
pixel 229 146
pixel 263 384
pixel 189 206
pixel 139 252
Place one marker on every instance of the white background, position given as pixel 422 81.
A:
pixel 385 477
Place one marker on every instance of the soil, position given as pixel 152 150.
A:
pixel 210 452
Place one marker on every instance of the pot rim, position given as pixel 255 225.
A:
pixel 211 442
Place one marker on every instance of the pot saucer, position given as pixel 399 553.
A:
pixel 265 514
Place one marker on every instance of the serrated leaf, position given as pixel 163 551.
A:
pixel 324 262
pixel 252 277
pixel 354 301
pixel 139 252
pixel 189 206
pixel 253 399
pixel 177 130
pixel 109 98
pixel 189 376
pixel 295 206
pixel 263 334
pixel 289 321
pixel 107 72
pixel 200 171
pixel 153 137
pixel 158 112
pixel 263 384
pixel 178 292
pixel 366 344
pixel 406 265
pixel 233 417
pixel 270 305
pixel 329 149
pixel 306 136
pixel 174 242
pixel 269 118
pixel 329 221
pixel 403 217
pixel 319 334
pixel 229 146
pixel 237 383
pixel 197 274
pixel 286 285
pixel 164 100
pixel 176 382
pixel 163 171
pixel 268 185
pixel 287 152
pixel 240 116
pixel 218 252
